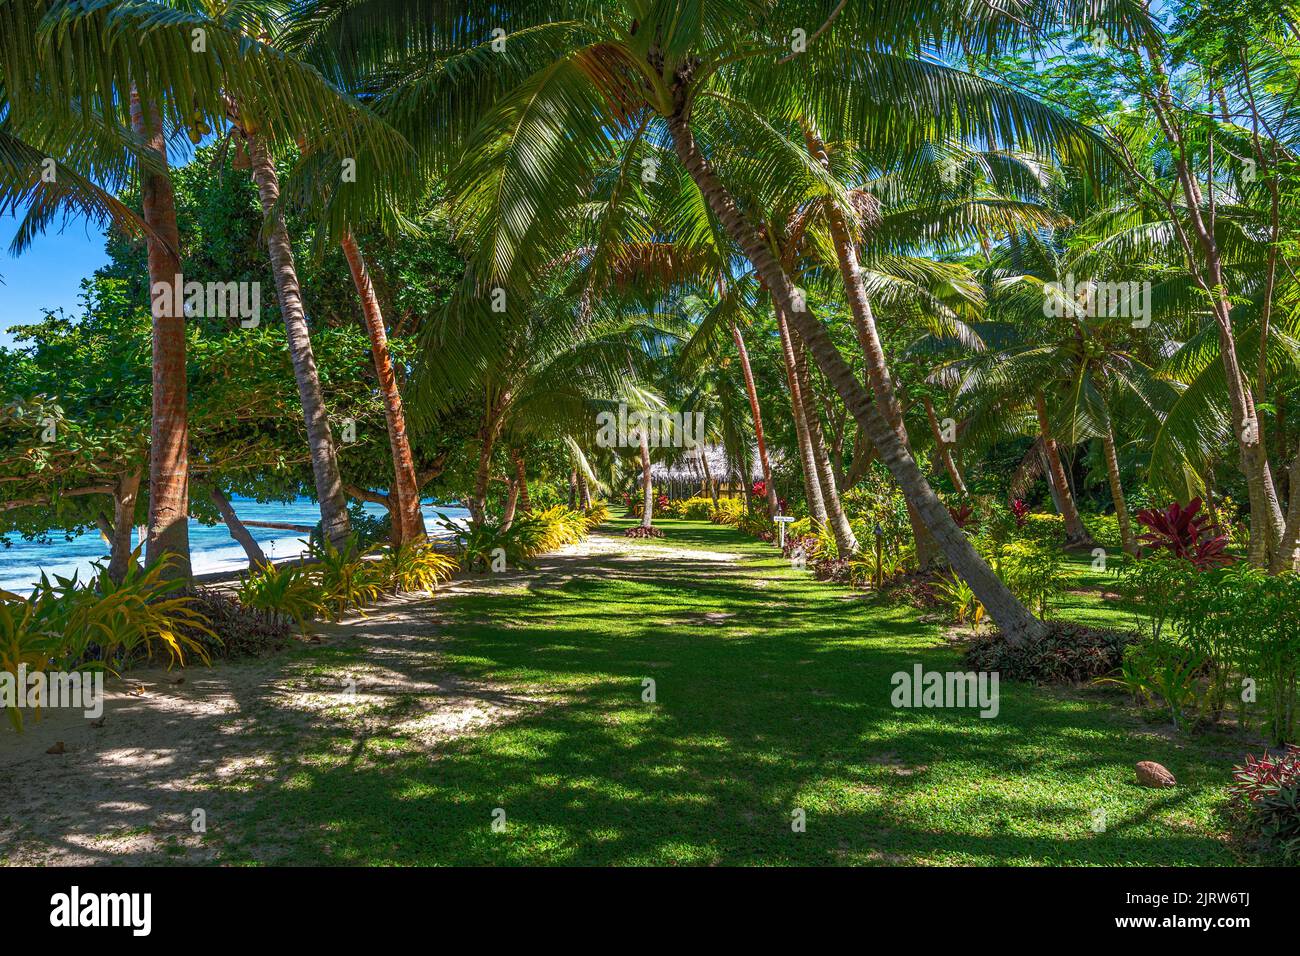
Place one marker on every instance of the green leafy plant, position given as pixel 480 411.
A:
pixel 283 593
pixel 1269 787
pixel 348 581
pixel 1163 673
pixel 1034 573
pixel 415 566
pixel 963 607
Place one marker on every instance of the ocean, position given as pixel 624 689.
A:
pixel 211 547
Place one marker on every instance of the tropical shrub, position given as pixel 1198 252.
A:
pixel 1042 529
pixel 415 566
pixel 728 512
pixel 117 624
pixel 1269 788
pixel 691 509
pixel 1067 653
pixel 242 630
pixel 551 529
pixel 1240 622
pixel 1033 572
pixel 1104 530
pixel 1163 673
pixel 348 581
pixel 877 502
pixel 68 625
pixel 1184 533
pixel 640 532
pixel 596 516
pixel 282 594
pixel 959 599
pixel 1019 511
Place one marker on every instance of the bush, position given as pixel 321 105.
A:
pixel 241 631
pixel 1104 530
pixel 101 624
pixel 1242 623
pixel 640 532
pixel 960 600
pixel 415 566
pixel 282 594
pixel 1184 533
pixel 1269 788
pixel 347 580
pixel 691 509
pixel 1068 653
pixel 1033 572
pixel 596 516
pixel 728 512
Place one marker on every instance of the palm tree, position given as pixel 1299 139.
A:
pixel 408 520
pixel 660 74
pixel 138 64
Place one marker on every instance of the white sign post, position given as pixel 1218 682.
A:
pixel 781 522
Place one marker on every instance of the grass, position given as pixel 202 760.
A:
pixel 772 694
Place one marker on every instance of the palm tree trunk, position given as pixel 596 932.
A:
pixel 846 542
pixel 483 475
pixel 708 477
pixel 169 468
pixel 512 504
pixel 256 557
pixel 812 486
pixel 521 479
pixel 124 499
pixel 1075 533
pixel 945 450
pixel 408 520
pixel 1117 491
pixel 335 525
pixel 1014 620
pixel 873 353
pixel 647 488
pixel 584 491
pixel 757 414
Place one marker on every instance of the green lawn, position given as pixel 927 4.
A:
pixel 779 700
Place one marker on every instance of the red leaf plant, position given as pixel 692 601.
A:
pixel 1184 533
pixel 1020 511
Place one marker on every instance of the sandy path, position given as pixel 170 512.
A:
pixel 128 791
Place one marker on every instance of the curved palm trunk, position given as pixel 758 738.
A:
pixel 1015 621
pixel 408 520
pixel 512 505
pixel 169 467
pixel 584 491
pixel 483 474
pixel 708 478
pixel 873 352
pixel 521 479
pixel 1075 533
pixel 1117 491
pixel 119 535
pixel 256 557
pixel 811 483
pixel 945 450
pixel 647 489
pixel 335 525
pixel 752 392
pixel 826 473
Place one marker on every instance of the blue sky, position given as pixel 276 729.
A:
pixel 48 275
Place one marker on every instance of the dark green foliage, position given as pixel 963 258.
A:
pixel 1069 654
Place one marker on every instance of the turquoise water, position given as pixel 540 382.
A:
pixel 211 547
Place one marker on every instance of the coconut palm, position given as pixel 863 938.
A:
pixel 158 69
pixel 664 75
